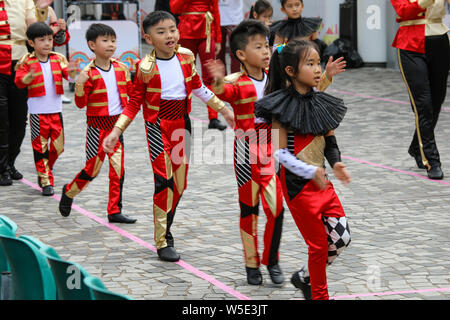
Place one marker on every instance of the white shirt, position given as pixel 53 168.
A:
pixel 260 85
pixel 173 85
pixel 114 103
pixel 51 102
pixel 231 13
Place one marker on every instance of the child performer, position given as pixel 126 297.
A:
pixel 262 10
pixel 42 72
pixel 255 173
pixel 103 86
pixel 164 82
pixel 305 121
pixel 200 32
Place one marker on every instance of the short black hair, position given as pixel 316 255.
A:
pixel 38 29
pixel 96 30
pixel 240 36
pixel 283 2
pixel 156 17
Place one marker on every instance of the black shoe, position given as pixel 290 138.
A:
pixel 216 124
pixel 48 191
pixel 65 204
pixel 168 254
pixel 276 275
pixel 302 284
pixel 254 276
pixel 419 162
pixel 120 218
pixel 435 173
pixel 5 179
pixel 15 175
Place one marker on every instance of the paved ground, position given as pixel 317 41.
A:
pixel 399 220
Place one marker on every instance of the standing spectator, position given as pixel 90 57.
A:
pixel 423 56
pixel 16 16
pixel 230 16
pixel 200 32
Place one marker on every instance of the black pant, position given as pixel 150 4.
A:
pixel 426 78
pixel 13 118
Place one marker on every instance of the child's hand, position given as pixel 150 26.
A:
pixel 72 69
pixel 110 141
pixel 341 173
pixel 216 69
pixel 319 178
pixel 62 24
pixel 335 67
pixel 31 74
pixel 83 77
pixel 228 116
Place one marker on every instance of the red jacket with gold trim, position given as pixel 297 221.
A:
pixel 147 85
pixel 239 91
pixel 94 94
pixel 36 86
pixel 411 33
pixel 193 21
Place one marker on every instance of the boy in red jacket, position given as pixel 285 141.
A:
pixel 42 72
pixel 103 86
pixel 164 83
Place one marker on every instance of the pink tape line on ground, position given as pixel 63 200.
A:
pixel 147 245
pixel 396 170
pixel 354 94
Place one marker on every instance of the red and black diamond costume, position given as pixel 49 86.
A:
pixel 100 122
pixel 318 213
pixel 168 128
pixel 46 122
pixel 255 171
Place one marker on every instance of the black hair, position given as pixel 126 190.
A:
pixel 291 55
pixel 156 17
pixel 283 2
pixel 96 30
pixel 259 7
pixel 37 30
pixel 240 35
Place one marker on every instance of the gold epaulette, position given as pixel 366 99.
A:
pixel 147 68
pixel 22 61
pixel 63 60
pixel 186 52
pixel 232 78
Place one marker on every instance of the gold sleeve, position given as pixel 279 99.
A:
pixel 216 103
pixel 324 82
pixel 123 122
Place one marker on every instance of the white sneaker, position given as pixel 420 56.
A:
pixel 66 100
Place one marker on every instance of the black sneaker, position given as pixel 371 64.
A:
pixel 65 204
pixel 435 173
pixel 302 284
pixel 120 218
pixel 48 191
pixel 5 179
pixel 276 275
pixel 168 254
pixel 254 276
pixel 216 124
pixel 15 175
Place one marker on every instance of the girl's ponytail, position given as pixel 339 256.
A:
pixel 277 76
